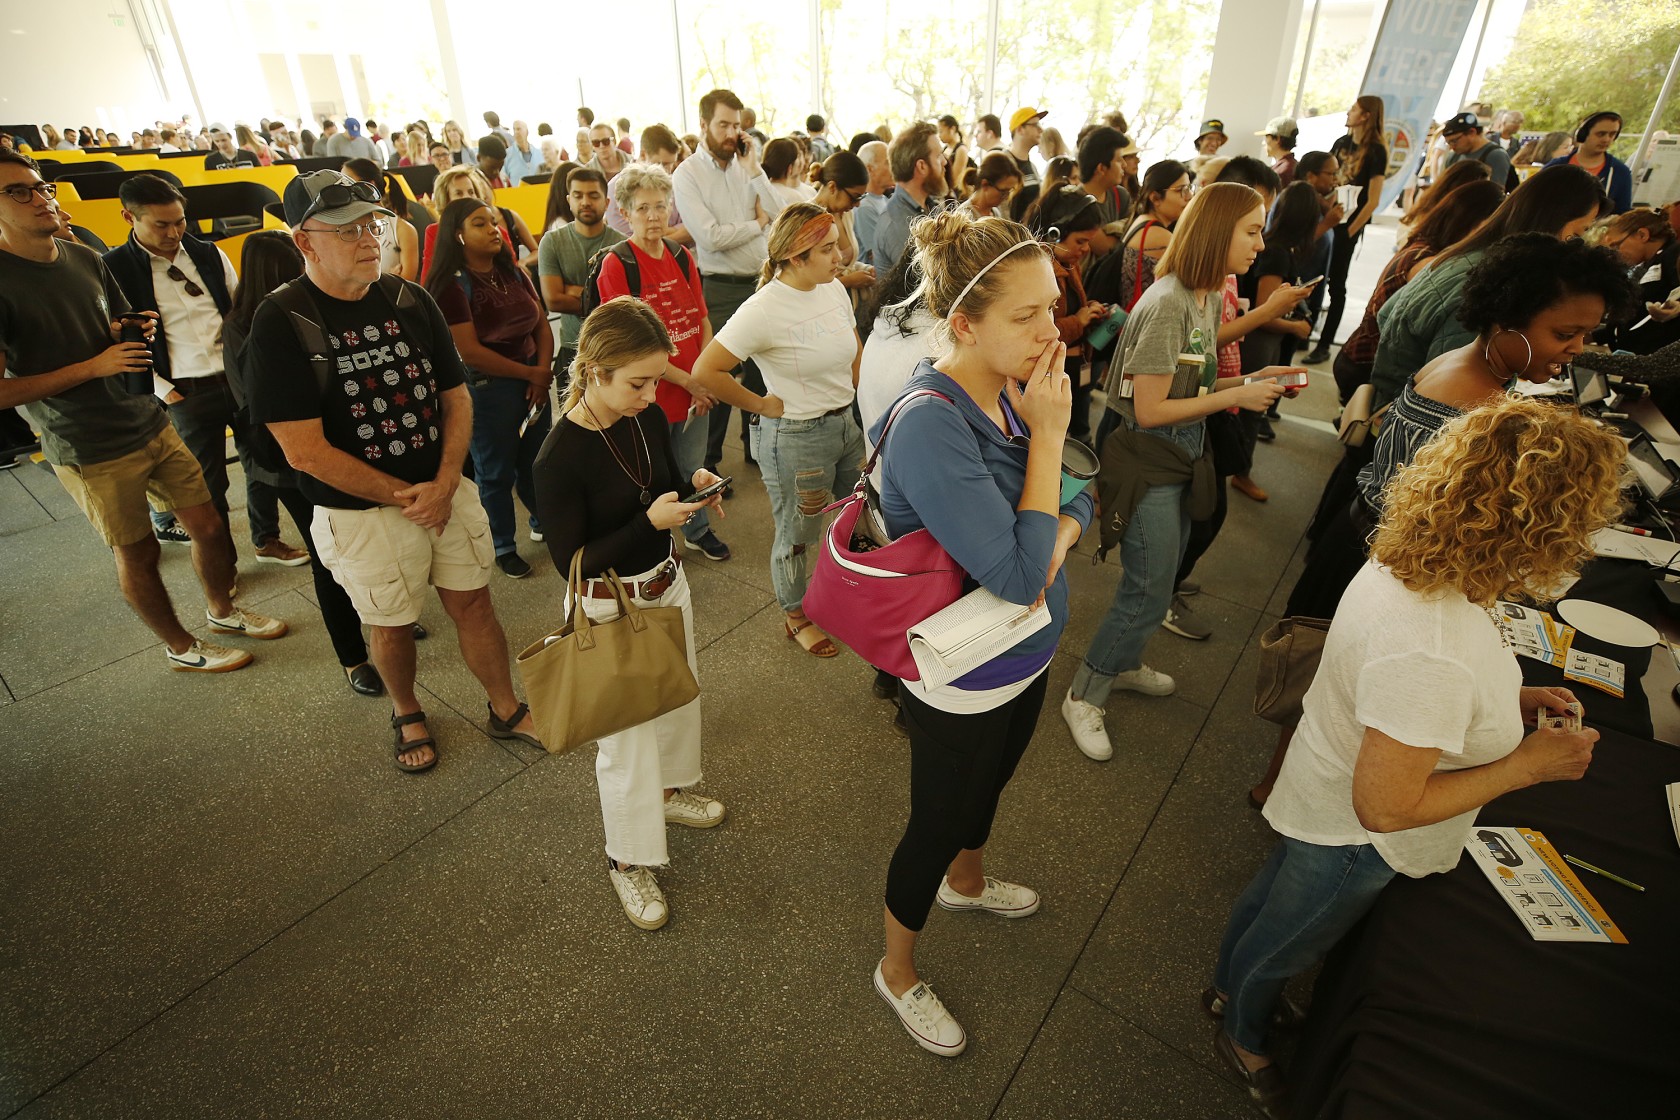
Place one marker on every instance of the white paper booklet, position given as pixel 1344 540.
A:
pixel 970 632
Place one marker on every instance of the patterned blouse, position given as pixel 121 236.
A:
pixel 1410 423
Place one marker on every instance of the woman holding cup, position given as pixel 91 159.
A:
pixel 1364 166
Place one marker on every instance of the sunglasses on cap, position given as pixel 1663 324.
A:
pixel 335 195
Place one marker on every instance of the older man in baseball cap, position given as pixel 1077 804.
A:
pixel 357 377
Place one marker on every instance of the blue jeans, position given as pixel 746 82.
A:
pixel 1299 905
pixel 501 458
pixel 1150 553
pixel 804 463
pixel 688 447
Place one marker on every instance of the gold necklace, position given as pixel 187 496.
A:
pixel 643 484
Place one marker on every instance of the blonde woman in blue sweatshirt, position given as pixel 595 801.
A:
pixel 979 467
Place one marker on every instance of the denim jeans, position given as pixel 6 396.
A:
pixel 1299 905
pixel 1150 553
pixel 805 464
pixel 202 419
pixel 501 458
pixel 688 447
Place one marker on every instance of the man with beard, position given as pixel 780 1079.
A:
pixel 563 257
pixel 726 202
pixel 918 167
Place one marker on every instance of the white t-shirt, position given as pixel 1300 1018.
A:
pixel 1429 672
pixel 803 342
pixel 889 358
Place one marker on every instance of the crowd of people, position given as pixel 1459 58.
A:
pixel 397 391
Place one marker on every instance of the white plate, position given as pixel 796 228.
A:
pixel 1608 624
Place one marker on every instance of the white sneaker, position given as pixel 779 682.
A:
pixel 1011 900
pixel 694 810
pixel 247 624
pixel 537 534
pixel 643 901
pixel 925 1018
pixel 202 657
pixel 1086 723
pixel 1147 681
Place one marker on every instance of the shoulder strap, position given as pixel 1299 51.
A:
pixel 304 317
pixel 880 444
pixel 632 269
pixel 681 254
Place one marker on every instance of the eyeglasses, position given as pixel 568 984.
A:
pixel 603 142
pixel 180 277
pixel 20 192
pixel 1185 191
pixel 651 209
pixel 350 233
pixel 334 195
pixel 857 196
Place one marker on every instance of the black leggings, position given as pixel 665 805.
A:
pixel 959 765
pixel 344 627
pixel 1341 256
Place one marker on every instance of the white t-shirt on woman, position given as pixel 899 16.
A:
pixel 804 344
pixel 1427 671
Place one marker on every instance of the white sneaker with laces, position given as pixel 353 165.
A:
pixel 1148 681
pixel 639 893
pixel 925 1018
pixel 537 534
pixel 247 624
pixel 1011 900
pixel 694 810
pixel 1085 721
pixel 203 657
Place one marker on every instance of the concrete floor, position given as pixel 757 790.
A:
pixel 221 898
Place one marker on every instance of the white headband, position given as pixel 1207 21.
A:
pixel 989 266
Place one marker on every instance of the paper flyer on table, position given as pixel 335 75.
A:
pixel 1595 672
pixel 1534 633
pixel 1539 887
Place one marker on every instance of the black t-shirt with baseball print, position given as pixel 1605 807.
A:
pixel 382 402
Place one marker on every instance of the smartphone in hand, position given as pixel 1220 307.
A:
pixel 706 493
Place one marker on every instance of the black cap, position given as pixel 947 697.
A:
pixel 1462 122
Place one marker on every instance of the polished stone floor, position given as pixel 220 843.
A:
pixel 220 898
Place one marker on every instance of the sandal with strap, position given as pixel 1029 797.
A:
pixel 504 728
pixel 403 746
pixel 825 647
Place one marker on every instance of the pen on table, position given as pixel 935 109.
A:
pixel 1634 529
pixel 1581 863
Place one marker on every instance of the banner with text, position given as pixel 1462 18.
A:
pixel 1416 47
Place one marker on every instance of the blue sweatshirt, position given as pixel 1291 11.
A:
pixel 947 468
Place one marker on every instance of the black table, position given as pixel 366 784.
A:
pixel 1439 1006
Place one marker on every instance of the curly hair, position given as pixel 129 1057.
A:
pixel 1526 273
pixel 1503 503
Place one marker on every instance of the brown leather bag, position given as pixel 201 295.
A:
pixel 1289 655
pixel 589 679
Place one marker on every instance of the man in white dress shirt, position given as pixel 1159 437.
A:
pixel 727 203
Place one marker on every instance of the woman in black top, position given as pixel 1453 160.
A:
pixel 1364 163
pixel 607 483
pixel 269 259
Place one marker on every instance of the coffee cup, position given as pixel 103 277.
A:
pixel 1079 467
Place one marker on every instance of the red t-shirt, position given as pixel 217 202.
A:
pixel 680 304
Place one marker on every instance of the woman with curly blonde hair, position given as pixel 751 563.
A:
pixel 1415 718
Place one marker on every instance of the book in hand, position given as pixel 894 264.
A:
pixel 969 633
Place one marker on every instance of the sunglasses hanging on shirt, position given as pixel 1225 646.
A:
pixel 180 277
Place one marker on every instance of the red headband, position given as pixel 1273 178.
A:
pixel 810 234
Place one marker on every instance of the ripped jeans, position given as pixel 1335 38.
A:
pixel 806 465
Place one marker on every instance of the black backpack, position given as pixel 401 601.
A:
pixel 591 298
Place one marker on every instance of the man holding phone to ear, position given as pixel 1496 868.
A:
pixel 62 318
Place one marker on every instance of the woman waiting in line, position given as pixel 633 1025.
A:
pixel 956 152
pixel 250 142
pixel 399 246
pixel 1364 163
pixel 608 486
pixel 1069 219
pixel 1161 198
pixel 268 260
pixel 559 212
pixel 781 167
pixel 461 153
pixel 413 149
pixel 1460 173
pixel 1162 388
pixel 1538 153
pixel 798 327
pixel 842 182
pixel 981 471
pixel 1531 304
pixel 1451 221
pixel 1415 719
pixel 469 182
pixel 501 330
pixel 999 179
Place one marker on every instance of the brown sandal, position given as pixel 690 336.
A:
pixel 823 647
pixel 403 746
